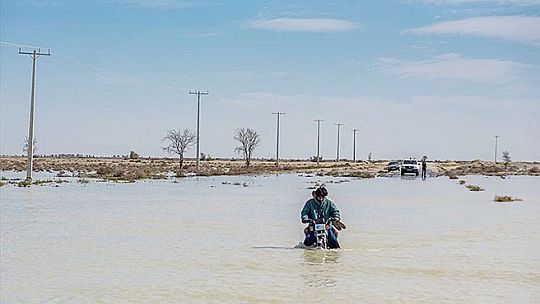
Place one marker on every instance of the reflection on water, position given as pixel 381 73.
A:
pixel 206 240
pixel 313 257
pixel 319 268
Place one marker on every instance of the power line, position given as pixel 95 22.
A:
pixel 337 153
pixel 18 45
pixel 99 74
pixel 277 136
pixel 30 149
pixel 318 136
pixel 110 76
pixel 198 93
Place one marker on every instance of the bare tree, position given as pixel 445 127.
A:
pixel 178 142
pixel 506 158
pixel 25 145
pixel 249 140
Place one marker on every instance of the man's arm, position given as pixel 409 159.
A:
pixel 305 214
pixel 334 211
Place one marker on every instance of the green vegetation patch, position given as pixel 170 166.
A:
pixel 24 183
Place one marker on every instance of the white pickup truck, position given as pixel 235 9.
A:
pixel 410 166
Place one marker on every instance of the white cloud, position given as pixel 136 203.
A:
pixel 517 28
pixel 454 67
pixel 157 4
pixel 517 2
pixel 303 25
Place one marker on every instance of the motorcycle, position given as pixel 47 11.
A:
pixel 320 229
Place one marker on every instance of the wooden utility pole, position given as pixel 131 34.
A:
pixel 354 144
pixel 337 153
pixel 30 149
pixel 496 139
pixel 277 136
pixel 198 93
pixel 318 136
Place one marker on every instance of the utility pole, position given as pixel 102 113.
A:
pixel 198 93
pixel 354 144
pixel 496 138
pixel 30 149
pixel 318 136
pixel 277 136
pixel 338 127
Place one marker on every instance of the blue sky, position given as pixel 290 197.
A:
pixel 417 77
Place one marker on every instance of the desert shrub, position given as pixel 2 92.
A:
pixel 361 174
pixel 314 158
pixel 24 183
pixel 104 170
pixel 474 188
pixel 133 155
pixel 492 169
pixel 461 182
pixel 505 198
pixel 451 174
pixel 118 172
pixel 40 182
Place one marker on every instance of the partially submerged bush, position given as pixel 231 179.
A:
pixel 474 188
pixel 361 174
pixel 452 174
pixel 104 170
pixel 24 183
pixel 505 198
pixel 40 182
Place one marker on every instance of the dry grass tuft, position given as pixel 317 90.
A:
pixel 474 188
pixel 505 199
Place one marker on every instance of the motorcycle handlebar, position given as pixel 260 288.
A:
pixel 312 221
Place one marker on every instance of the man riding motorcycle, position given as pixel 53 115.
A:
pixel 320 209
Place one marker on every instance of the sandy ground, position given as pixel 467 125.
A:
pixel 144 168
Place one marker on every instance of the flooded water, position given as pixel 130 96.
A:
pixel 231 239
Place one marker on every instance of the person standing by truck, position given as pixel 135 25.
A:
pixel 424 167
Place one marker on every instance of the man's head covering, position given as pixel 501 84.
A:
pixel 321 191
